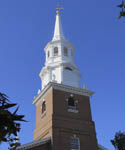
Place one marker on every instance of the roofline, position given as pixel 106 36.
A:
pixel 34 144
pixel 102 147
pixel 62 87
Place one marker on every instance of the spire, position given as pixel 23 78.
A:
pixel 58 33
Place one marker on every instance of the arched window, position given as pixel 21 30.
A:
pixel 56 51
pixel 43 107
pixel 71 103
pixel 48 54
pixel 65 51
pixel 68 68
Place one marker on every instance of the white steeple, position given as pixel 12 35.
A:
pixel 59 66
pixel 58 33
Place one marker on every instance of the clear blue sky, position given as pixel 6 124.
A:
pixel 99 38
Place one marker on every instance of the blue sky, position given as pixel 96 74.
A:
pixel 98 36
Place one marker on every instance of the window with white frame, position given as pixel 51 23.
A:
pixel 56 51
pixel 65 51
pixel 43 107
pixel 71 103
pixel 74 143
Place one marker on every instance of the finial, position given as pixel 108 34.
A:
pixel 58 10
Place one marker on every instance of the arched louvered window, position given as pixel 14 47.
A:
pixel 56 51
pixel 65 51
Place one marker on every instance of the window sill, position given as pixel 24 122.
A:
pixel 43 114
pixel 73 111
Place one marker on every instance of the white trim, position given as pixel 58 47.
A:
pixel 71 95
pixel 43 114
pixel 61 87
pixel 64 42
pixel 44 100
pixel 73 111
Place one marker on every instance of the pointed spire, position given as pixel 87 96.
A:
pixel 58 33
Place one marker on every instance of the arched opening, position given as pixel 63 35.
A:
pixel 68 68
pixel 71 103
pixel 65 51
pixel 48 54
pixel 56 51
pixel 43 107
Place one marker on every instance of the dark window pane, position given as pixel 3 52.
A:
pixel 43 107
pixel 68 68
pixel 71 101
pixel 48 54
pixel 65 51
pixel 75 145
pixel 56 51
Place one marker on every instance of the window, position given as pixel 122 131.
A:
pixel 68 68
pixel 71 103
pixel 56 51
pixel 74 143
pixel 65 51
pixel 44 107
pixel 48 54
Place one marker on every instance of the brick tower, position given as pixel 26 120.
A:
pixel 63 113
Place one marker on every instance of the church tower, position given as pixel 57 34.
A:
pixel 63 111
pixel 59 66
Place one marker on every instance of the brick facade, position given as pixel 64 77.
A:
pixel 61 125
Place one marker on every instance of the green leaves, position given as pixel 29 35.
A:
pixel 6 106
pixel 119 141
pixel 9 122
pixel 122 12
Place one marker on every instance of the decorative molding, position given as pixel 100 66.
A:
pixel 63 42
pixel 72 90
pixel 43 93
pixel 61 87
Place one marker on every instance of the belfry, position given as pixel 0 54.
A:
pixel 63 113
pixel 59 66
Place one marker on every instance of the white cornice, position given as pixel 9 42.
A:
pixel 69 44
pixel 62 87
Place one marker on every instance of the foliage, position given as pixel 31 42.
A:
pixel 122 6
pixel 9 122
pixel 14 144
pixel 119 141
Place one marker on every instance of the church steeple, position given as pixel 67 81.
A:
pixel 58 32
pixel 59 66
pixel 63 112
